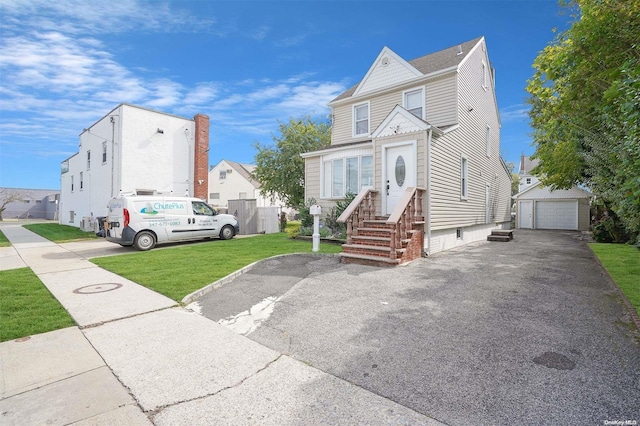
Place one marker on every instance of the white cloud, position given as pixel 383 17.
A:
pixel 517 112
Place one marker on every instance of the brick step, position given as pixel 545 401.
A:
pixel 373 241
pixel 363 259
pixel 374 232
pixel 376 224
pixel 502 238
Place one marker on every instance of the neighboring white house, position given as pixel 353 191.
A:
pixel 229 180
pixel 430 123
pixel 539 207
pixel 133 150
pixel 29 203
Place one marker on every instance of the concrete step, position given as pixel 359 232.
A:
pixel 503 232
pixel 501 238
pixel 363 259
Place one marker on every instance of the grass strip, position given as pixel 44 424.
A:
pixel 622 261
pixel 27 307
pixel 60 233
pixel 4 242
pixel 178 271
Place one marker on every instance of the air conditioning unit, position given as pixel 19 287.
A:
pixel 86 224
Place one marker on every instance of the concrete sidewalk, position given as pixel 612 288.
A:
pixel 137 357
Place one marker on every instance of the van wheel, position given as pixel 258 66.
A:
pixel 144 241
pixel 227 232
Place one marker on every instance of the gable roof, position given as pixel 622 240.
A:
pixel 527 164
pixel 428 64
pixel 243 170
pixel 539 191
pixel 400 121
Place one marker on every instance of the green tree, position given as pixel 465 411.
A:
pixel 280 168
pixel 585 105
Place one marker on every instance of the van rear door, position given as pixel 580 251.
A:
pixel 115 218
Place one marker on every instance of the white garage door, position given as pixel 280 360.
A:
pixel 557 215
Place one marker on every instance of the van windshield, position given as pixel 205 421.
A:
pixel 203 209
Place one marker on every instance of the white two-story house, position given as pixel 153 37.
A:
pixel 419 141
pixel 133 150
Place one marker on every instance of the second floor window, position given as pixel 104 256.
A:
pixel 88 160
pixel 223 174
pixel 361 119
pixel 414 102
pixel 464 178
pixel 81 181
pixel 72 183
pixel 488 140
pixel 104 152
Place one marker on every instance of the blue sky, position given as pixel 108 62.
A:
pixel 65 64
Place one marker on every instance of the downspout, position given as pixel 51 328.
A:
pixel 429 190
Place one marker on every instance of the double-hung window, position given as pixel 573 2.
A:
pixel 488 140
pixel 464 178
pixel 81 181
pixel 104 152
pixel 485 76
pixel 414 102
pixel 346 175
pixel 88 160
pixel 361 119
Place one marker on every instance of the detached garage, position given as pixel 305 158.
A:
pixel 538 207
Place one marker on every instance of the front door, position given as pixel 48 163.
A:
pixel 525 214
pixel 400 173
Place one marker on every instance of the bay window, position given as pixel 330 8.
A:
pixel 346 175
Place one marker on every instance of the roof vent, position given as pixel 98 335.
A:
pixel 385 61
pixel 459 50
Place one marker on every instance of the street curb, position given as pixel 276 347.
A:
pixel 225 280
pixel 630 308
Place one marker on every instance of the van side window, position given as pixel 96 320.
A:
pixel 201 208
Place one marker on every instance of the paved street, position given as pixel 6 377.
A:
pixel 526 332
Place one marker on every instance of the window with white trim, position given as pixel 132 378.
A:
pixel 346 175
pixel 104 152
pixel 81 181
pixel 214 195
pixel 88 160
pixel 223 174
pixel 488 140
pixel 485 76
pixel 414 102
pixel 72 179
pixel 361 119
pixel 528 181
pixel 464 178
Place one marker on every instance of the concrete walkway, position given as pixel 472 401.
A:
pixel 138 358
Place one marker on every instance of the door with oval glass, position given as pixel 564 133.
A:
pixel 400 173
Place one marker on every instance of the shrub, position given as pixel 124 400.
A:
pixel 338 230
pixel 306 219
pixel 609 229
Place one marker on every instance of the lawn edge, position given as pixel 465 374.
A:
pixel 629 306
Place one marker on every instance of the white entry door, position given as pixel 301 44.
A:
pixel 525 214
pixel 400 173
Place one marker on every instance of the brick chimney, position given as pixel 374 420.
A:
pixel 201 157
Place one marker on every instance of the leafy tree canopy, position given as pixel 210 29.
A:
pixel 280 168
pixel 585 105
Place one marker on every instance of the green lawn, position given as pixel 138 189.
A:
pixel 178 271
pixel 3 240
pixel 623 263
pixel 59 233
pixel 27 307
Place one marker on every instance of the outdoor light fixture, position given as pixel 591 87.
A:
pixel 160 131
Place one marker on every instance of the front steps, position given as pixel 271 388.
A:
pixel 372 245
pixel 502 235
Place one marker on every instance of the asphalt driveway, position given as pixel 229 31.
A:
pixel 526 332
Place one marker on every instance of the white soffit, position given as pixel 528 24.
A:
pixel 387 70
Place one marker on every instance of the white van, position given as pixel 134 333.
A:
pixel 144 221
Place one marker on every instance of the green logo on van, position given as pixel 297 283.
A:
pixel 148 210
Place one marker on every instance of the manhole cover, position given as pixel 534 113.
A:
pixel 97 288
pixel 555 360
